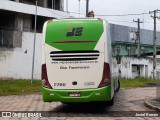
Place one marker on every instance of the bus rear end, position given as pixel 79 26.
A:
pixel 76 61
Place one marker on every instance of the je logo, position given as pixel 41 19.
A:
pixel 75 32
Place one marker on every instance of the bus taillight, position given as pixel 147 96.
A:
pixel 45 82
pixel 100 19
pixel 106 76
pixel 50 20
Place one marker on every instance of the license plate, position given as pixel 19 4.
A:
pixel 74 94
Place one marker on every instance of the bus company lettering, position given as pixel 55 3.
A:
pixel 73 62
pixel 62 67
pixel 75 67
pixel 82 67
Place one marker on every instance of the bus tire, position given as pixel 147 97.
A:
pixel 111 102
pixel 68 103
pixel 117 89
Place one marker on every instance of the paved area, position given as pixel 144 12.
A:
pixel 153 103
pixel 126 101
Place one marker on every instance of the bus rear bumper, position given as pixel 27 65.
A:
pixel 86 95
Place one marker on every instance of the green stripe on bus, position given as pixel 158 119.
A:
pixel 87 95
pixel 74 34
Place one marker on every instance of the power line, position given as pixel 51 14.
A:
pixel 150 22
pixel 103 15
pixel 106 15
pixel 120 21
pixel 124 14
pixel 131 22
pixel 76 13
pixel 112 14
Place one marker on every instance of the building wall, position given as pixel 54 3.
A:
pixel 16 60
pixel 27 23
pixel 125 48
pixel 121 38
pixel 30 9
pixel 16 63
pixel 120 33
pixel 128 64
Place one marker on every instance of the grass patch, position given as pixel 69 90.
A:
pixel 137 82
pixel 18 87
pixel 14 87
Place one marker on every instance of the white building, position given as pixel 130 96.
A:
pixel 16 35
pixel 129 67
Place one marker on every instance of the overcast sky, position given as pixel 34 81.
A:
pixel 119 7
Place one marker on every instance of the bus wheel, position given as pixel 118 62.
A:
pixel 111 102
pixel 117 89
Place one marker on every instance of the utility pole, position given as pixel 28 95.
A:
pixel 87 7
pixel 67 5
pixel 154 41
pixel 138 43
pixel 79 7
pixel 138 37
pixel 54 4
pixel 34 43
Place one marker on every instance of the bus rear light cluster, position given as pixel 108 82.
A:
pixel 100 19
pixel 106 76
pixel 50 20
pixel 45 82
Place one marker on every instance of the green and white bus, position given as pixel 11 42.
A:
pixel 77 61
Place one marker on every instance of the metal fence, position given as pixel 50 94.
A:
pixel 158 85
pixel 8 36
pixel 122 33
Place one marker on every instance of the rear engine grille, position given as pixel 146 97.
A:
pixel 74 55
